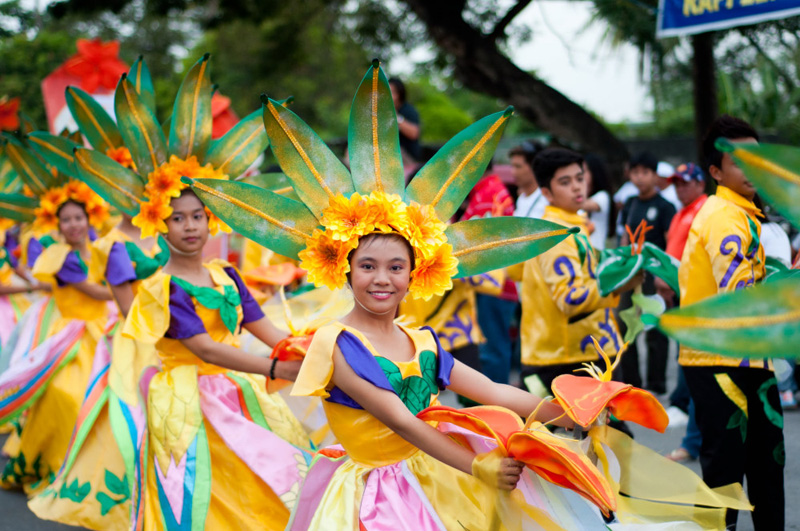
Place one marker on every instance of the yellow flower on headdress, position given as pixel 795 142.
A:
pixel 388 211
pixel 433 275
pixel 151 217
pixel 348 218
pixel 215 224
pixel 53 198
pixel 121 156
pixel 424 232
pixel 165 181
pixel 325 259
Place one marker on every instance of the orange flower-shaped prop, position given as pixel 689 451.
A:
pixel 434 274
pixel 9 114
pixel 425 231
pixel 151 218
pixel 97 64
pixel 348 218
pixel 557 459
pixel 584 398
pixel 47 214
pixel 325 259
pixel 637 237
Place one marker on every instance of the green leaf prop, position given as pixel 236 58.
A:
pixel 140 131
pixel 492 243
pixel 55 150
pixel 232 153
pixel 773 170
pixel 252 211
pixel 372 137
pixel 18 207
pixel 139 76
pixel 444 186
pixel 118 185
pixel 190 133
pixel 617 266
pixel 93 120
pixel 758 322
pixel 32 171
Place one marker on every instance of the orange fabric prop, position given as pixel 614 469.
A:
pixel 556 459
pixel 97 64
pixel 290 348
pixel 9 114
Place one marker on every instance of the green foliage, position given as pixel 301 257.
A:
pixel 117 486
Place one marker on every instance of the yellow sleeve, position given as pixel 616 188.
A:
pixel 100 250
pixel 148 319
pixel 728 244
pixel 514 272
pixel 317 369
pixel 50 262
pixel 573 290
pixel 489 283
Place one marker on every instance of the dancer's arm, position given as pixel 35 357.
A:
pixel 389 409
pixel 470 383
pixel 265 331
pixel 208 350
pixel 124 295
pixel 95 291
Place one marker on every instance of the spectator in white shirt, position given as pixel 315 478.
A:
pixel 530 202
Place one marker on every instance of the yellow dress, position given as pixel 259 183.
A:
pixel 223 454
pixel 49 381
pixel 104 455
pixel 381 481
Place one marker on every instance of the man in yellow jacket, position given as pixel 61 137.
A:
pixel 562 308
pixel 736 400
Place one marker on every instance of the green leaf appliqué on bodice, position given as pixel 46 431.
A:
pixel 414 391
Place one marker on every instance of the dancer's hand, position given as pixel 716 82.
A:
pixel 497 470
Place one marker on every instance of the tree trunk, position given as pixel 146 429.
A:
pixel 483 68
pixel 704 79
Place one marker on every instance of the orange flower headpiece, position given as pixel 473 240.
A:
pixel 53 198
pixel 348 219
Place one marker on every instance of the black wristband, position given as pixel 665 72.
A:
pixel 272 369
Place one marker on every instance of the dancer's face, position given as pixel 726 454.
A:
pixel 73 223
pixel 380 270
pixel 187 227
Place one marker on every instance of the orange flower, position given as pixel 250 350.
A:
pixel 151 217
pixel 53 198
pixel 433 275
pixel 215 224
pixel 164 183
pixel 388 212
pixel 345 218
pixel 46 219
pixel 121 156
pixel 325 259
pixel 424 232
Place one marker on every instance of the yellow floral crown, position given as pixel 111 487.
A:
pixel 53 198
pixel 348 219
pixel 164 184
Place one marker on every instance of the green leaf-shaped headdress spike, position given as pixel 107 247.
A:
pixel 139 128
pixel 444 184
pixel 18 207
pixel 486 244
pixel 758 322
pixel 774 170
pixel 32 171
pixel 55 150
pixel 118 185
pixel 316 172
pixel 265 217
pixel 190 130
pixel 372 138
pixel 235 151
pixel 10 180
pixel 93 120
pixel 139 76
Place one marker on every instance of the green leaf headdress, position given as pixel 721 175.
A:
pixel 337 206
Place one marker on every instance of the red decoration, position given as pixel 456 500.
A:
pixel 224 118
pixel 9 114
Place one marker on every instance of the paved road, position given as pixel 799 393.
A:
pixel 15 515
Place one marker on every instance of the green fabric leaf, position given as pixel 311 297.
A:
pixel 775 417
pixel 775 172
pixel 139 128
pixel 617 266
pixel 779 453
pixel 776 267
pixel 373 139
pixel 93 121
pixel 240 147
pixel 55 150
pixel 269 219
pixel 141 80
pixel 117 485
pixel 28 166
pixel 144 265
pixel 738 420
pixel 315 171
pixel 190 132
pixel 492 243
pixel 18 207
pixel 414 391
pixel 118 185
pixel 756 322
pixel 642 305
pixel 226 302
pixel 75 491
pixel 449 176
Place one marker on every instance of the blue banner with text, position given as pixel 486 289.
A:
pixel 687 17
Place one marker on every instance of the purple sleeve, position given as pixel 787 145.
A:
pixel 183 319
pixel 119 268
pixel 251 311
pixel 11 245
pixel 35 249
pixel 71 272
pixel 363 363
pixel 444 362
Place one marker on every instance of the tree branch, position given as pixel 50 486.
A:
pixel 500 29
pixel 781 72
